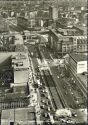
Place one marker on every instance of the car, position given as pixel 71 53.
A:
pixel 63 120
pixel 66 92
pixel 42 106
pixel 77 101
pixel 42 91
pixel 58 77
pixel 85 73
pixel 49 108
pixel 72 93
pixel 46 115
pixel 74 114
pixel 69 121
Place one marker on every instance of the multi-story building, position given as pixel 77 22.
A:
pixel 14 92
pixel 78 63
pixel 20 64
pixel 67 40
pixel 77 67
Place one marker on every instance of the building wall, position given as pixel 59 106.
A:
pixel 80 44
pixel 67 43
pixel 81 67
pixel 77 67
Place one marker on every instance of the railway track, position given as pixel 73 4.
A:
pixel 56 99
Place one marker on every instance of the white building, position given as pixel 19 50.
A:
pixel 20 64
pixel 78 63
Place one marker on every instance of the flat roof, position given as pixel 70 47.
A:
pixel 22 115
pixel 78 57
pixel 20 61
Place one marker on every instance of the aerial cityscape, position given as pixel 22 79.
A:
pixel 43 62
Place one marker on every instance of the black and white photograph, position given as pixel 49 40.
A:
pixel 43 62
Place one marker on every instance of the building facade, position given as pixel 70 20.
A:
pixel 78 63
pixel 65 41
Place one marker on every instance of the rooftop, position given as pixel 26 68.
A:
pixel 20 61
pixel 22 116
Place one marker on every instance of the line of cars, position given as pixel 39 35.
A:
pixel 45 103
